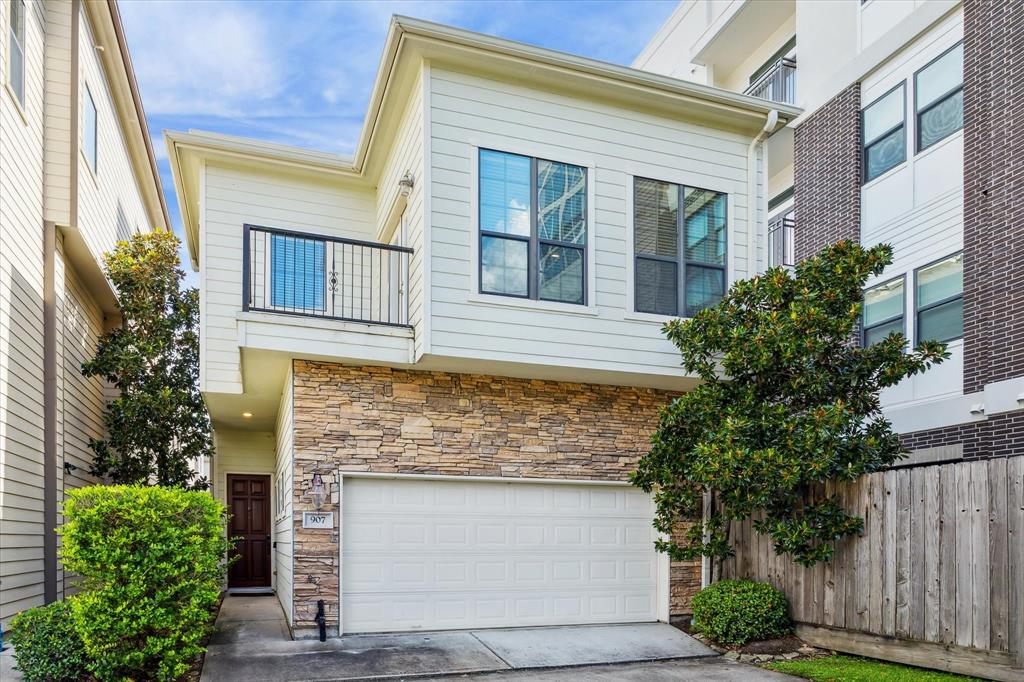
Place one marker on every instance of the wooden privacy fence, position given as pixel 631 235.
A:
pixel 936 579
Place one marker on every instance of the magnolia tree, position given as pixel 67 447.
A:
pixel 787 402
pixel 158 426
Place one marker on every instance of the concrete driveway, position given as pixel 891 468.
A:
pixel 252 644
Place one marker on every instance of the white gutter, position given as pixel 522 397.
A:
pixel 753 227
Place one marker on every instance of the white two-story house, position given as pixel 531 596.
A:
pixel 431 366
pixel 77 173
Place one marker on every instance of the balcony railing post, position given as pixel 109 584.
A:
pixel 246 268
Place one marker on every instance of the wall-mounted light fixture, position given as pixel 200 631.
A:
pixel 318 492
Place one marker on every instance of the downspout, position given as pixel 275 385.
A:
pixel 753 228
pixel 770 123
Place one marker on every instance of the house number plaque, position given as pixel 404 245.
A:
pixel 315 519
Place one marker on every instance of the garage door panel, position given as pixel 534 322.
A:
pixel 421 554
pixel 483 571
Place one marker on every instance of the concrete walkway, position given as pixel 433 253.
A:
pixel 252 644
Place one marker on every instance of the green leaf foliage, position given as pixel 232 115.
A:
pixel 151 561
pixel 46 646
pixel 734 612
pixel 787 402
pixel 158 425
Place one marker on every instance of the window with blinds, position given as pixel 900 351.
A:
pixel 680 247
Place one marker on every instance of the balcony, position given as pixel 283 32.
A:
pixel 332 278
pixel 781 245
pixel 777 83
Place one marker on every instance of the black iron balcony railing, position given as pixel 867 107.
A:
pixel 781 247
pixel 777 84
pixel 296 273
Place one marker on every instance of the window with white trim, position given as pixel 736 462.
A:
pixel 939 97
pixel 533 228
pixel 883 311
pixel 679 255
pixel 939 295
pixel 89 129
pixel 16 58
pixel 883 130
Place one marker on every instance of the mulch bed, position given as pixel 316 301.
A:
pixel 781 649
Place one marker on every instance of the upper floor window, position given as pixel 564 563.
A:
pixel 89 129
pixel 16 59
pixel 939 97
pixel 884 133
pixel 940 300
pixel 883 311
pixel 297 273
pixel 533 228
pixel 680 247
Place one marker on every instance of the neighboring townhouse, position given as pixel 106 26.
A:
pixel 432 366
pixel 906 138
pixel 77 173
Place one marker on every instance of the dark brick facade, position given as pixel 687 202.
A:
pixel 826 164
pixel 999 436
pixel 993 185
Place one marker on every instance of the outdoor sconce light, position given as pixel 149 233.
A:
pixel 319 493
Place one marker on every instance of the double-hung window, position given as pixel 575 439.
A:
pixel 884 133
pixel 939 97
pixel 297 273
pixel 89 129
pixel 16 58
pixel 940 300
pixel 533 228
pixel 679 242
pixel 883 311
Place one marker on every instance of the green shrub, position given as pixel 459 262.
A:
pixel 152 564
pixel 46 646
pixel 734 612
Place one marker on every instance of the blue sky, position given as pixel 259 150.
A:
pixel 301 72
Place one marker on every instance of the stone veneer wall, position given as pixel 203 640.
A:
pixel 400 421
pixel 826 162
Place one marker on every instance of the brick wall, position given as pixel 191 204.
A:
pixel 1001 435
pixel 398 421
pixel 993 185
pixel 827 153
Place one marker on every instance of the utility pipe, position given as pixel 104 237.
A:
pixel 771 121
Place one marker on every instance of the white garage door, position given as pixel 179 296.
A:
pixel 431 554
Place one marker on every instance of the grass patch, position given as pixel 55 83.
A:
pixel 841 668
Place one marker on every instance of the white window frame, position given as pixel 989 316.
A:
pixel 92 156
pixel 559 155
pixel 20 41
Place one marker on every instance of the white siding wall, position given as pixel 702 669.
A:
pixel 21 325
pixel 918 206
pixel 467 112
pixel 58 111
pixel 232 197
pixel 283 555
pixel 406 155
pixel 109 202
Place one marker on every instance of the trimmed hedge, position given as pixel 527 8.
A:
pixel 734 612
pixel 46 646
pixel 152 564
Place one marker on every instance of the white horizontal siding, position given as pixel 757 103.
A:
pixel 110 205
pixel 21 323
pixel 283 533
pixel 233 197
pixel 469 111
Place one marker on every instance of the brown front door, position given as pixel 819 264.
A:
pixel 249 504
